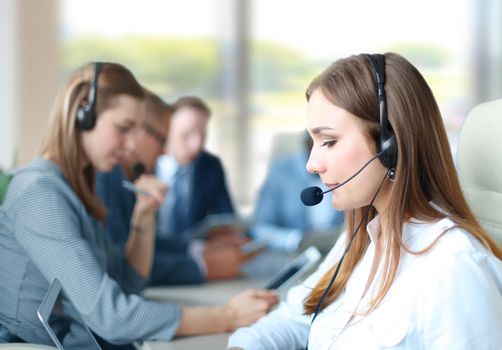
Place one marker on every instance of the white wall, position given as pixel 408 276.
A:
pixel 30 68
pixel 38 71
pixel 7 82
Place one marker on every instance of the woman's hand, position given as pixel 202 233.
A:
pixel 241 310
pixel 156 189
pixel 140 244
pixel 248 307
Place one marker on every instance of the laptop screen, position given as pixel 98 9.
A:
pixel 57 313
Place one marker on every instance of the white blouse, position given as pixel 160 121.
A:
pixel 448 298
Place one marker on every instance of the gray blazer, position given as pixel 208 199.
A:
pixel 46 232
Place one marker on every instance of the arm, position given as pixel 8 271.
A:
pixel 139 247
pixel 268 221
pixel 279 330
pixel 121 212
pixel 241 310
pixel 119 204
pixel 220 199
pixel 279 238
pixel 53 228
pixel 463 306
pixel 175 268
pixel 286 327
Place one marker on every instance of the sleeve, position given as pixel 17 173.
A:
pixel 267 216
pixel 175 268
pixel 463 306
pixel 278 330
pixel 266 207
pixel 277 237
pixel 286 328
pixel 49 227
pixel 221 201
pixel 120 270
pixel 119 204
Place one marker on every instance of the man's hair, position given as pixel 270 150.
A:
pixel 192 102
pixel 156 108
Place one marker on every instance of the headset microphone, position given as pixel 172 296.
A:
pixel 139 168
pixel 314 195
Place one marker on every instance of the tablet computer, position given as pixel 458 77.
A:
pixel 294 270
pixel 52 313
pixel 254 246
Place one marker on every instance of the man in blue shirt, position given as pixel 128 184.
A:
pixel 281 218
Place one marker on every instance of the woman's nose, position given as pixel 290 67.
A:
pixel 130 143
pixel 314 166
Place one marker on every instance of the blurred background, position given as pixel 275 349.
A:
pixel 250 59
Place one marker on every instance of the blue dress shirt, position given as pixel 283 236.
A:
pixel 280 217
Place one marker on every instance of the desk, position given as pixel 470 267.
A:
pixel 208 294
pixel 25 346
pixel 256 273
pixel 208 342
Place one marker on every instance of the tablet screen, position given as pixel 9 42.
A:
pixel 54 314
pixel 294 270
pixel 283 277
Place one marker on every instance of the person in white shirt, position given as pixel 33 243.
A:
pixel 414 270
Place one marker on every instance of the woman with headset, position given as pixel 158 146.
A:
pixel 414 270
pixel 51 227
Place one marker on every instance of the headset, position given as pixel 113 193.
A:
pixel 86 115
pixel 387 144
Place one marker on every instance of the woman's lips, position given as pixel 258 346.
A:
pixel 330 186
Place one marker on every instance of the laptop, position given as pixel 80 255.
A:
pixel 55 323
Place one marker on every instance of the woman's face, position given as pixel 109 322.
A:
pixel 341 148
pixel 112 137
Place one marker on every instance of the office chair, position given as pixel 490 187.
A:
pixel 479 163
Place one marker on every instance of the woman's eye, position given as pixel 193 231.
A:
pixel 328 143
pixel 124 129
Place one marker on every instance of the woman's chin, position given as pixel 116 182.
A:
pixel 104 167
pixel 338 206
pixel 341 205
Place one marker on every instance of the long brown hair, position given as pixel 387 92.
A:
pixel 425 169
pixel 62 144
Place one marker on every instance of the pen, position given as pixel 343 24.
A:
pixel 129 186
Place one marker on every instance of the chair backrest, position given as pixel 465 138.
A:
pixel 479 161
pixel 4 183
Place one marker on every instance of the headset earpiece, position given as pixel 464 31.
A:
pixel 386 144
pixel 388 149
pixel 86 115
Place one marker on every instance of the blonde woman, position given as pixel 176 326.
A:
pixel 51 227
pixel 414 269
